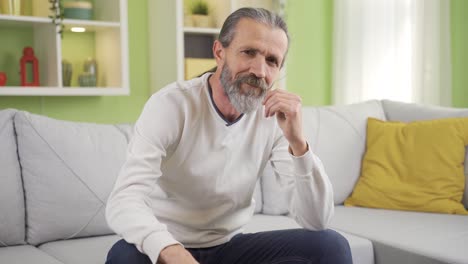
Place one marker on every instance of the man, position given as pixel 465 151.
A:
pixel 185 191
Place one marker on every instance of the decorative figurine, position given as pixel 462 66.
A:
pixel 29 58
pixel 3 79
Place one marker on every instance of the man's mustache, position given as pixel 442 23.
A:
pixel 252 80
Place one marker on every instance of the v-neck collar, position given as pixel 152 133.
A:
pixel 210 91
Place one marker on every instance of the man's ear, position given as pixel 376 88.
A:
pixel 218 52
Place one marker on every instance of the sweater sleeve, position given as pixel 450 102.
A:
pixel 308 184
pixel 128 210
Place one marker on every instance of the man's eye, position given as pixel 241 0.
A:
pixel 249 52
pixel 272 61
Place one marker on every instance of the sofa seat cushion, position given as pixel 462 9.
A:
pixel 92 250
pixel 361 248
pixel 12 227
pixel 25 254
pixel 69 170
pixel 401 236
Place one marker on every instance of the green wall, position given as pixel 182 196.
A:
pixel 9 47
pixel 309 63
pixel 101 109
pixel 459 17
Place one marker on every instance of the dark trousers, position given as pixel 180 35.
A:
pixel 272 247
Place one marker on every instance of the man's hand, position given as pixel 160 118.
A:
pixel 288 110
pixel 176 254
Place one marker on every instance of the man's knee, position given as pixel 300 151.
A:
pixel 335 248
pixel 123 252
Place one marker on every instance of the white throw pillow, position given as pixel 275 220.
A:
pixel 276 197
pixel 12 223
pixel 337 135
pixel 69 169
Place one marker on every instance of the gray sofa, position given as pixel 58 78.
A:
pixel 56 175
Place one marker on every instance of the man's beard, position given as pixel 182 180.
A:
pixel 243 101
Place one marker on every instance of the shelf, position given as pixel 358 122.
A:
pixel 90 23
pixel 202 31
pixel 105 40
pixel 68 91
pixel 11 20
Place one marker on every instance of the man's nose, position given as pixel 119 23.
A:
pixel 258 68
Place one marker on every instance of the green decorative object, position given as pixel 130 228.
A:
pixel 78 10
pixel 89 77
pixel 199 11
pixel 199 7
pixel 90 65
pixel 67 72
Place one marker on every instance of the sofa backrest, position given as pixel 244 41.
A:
pixel 406 112
pixel 12 223
pixel 68 169
pixel 337 135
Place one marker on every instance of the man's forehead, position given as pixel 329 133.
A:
pixel 251 32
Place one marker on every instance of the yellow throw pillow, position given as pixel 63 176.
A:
pixel 414 166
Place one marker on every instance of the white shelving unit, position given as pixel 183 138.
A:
pixel 202 31
pixel 109 43
pixel 170 38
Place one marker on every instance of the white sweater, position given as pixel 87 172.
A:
pixel 189 177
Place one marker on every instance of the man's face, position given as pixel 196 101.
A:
pixel 251 63
pixel 245 101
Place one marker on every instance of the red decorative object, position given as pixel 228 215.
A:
pixel 28 57
pixel 3 79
